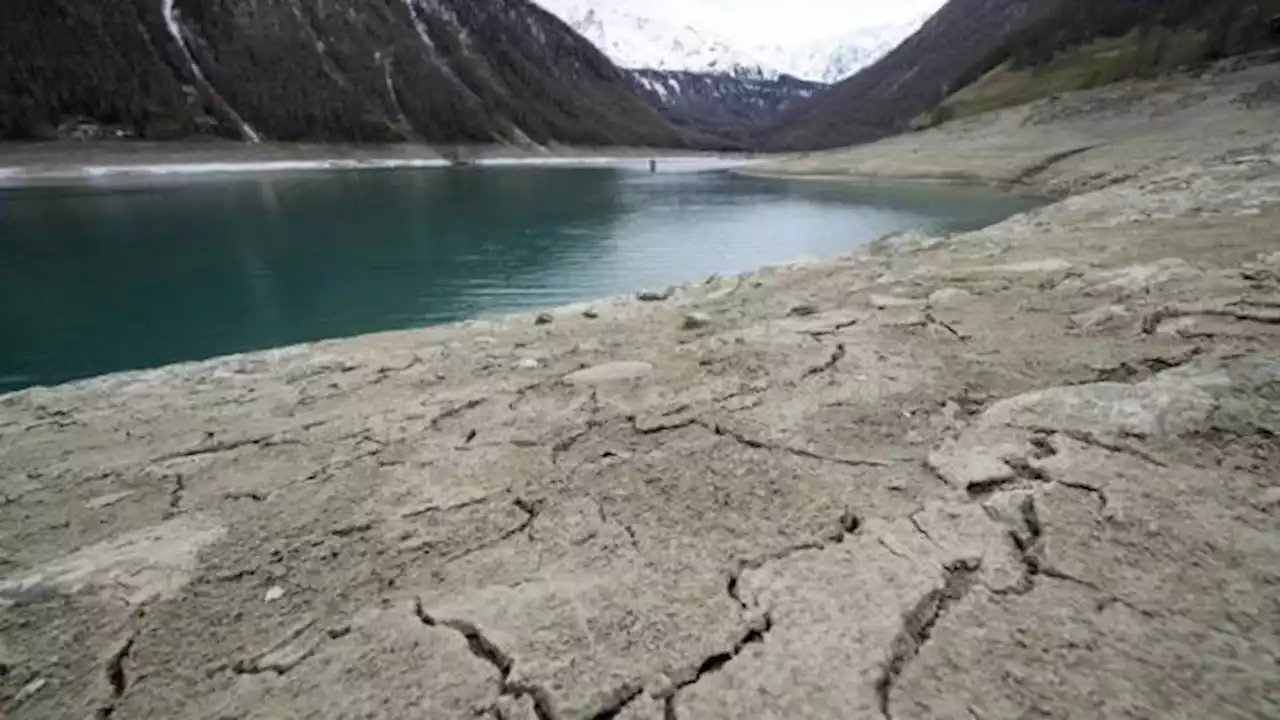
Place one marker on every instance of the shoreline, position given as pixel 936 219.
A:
pixel 762 169
pixel 57 163
pixel 1061 426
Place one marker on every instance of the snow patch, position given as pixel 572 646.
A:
pixel 637 41
pixel 175 31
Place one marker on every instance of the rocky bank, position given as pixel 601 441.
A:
pixel 1027 472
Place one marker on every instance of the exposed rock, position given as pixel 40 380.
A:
pixel 887 302
pixel 696 321
pixel 1268 499
pixel 544 318
pixel 1172 403
pixel 804 310
pixel 1046 266
pixel 981 465
pixel 610 372
pixel 1105 317
pixel 105 501
pixel 948 296
pixel 1137 279
pixel 133 569
pixel 591 314
pixel 654 295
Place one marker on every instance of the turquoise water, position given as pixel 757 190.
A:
pixel 118 274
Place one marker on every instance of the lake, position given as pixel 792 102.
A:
pixel 117 274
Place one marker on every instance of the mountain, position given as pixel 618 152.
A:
pixel 1085 43
pixel 643 39
pixel 883 98
pixel 650 43
pixel 832 59
pixel 720 110
pixel 439 71
pixel 978 55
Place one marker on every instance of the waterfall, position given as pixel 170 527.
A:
pixel 175 30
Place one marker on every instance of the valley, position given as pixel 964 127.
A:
pixel 952 392
pixel 1047 444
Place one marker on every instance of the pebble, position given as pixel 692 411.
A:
pixel 28 690
pixel 803 311
pixel 544 318
pixel 275 593
pixel 591 313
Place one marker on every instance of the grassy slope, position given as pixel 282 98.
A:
pixel 1100 62
pixel 1141 52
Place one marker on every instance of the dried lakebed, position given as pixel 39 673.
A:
pixel 1025 471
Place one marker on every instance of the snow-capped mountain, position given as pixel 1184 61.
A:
pixel 719 110
pixel 636 41
pixel 632 38
pixel 833 59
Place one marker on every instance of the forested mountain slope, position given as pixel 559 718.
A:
pixel 1087 43
pixel 721 110
pixel 992 53
pixel 913 78
pixel 437 71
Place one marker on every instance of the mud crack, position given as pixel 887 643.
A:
pixel 833 330
pixel 1088 438
pixel 116 676
pixel 757 444
pixel 1233 311
pixel 836 356
pixel 176 493
pixel 222 446
pixel 755 634
pixel 918 625
pixel 849 524
pixel 1141 369
pixel 932 319
pixel 488 651
pixel 453 412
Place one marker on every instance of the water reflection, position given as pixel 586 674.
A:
pixel 112 277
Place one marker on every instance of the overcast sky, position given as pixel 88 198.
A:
pixel 764 21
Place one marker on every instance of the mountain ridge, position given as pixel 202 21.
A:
pixel 440 72
pixel 637 41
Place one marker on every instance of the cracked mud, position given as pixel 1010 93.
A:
pixel 1048 490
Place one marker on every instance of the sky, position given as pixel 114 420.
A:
pixel 769 21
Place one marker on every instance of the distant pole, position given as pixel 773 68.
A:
pixel 653 165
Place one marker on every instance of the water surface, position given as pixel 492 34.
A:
pixel 119 274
